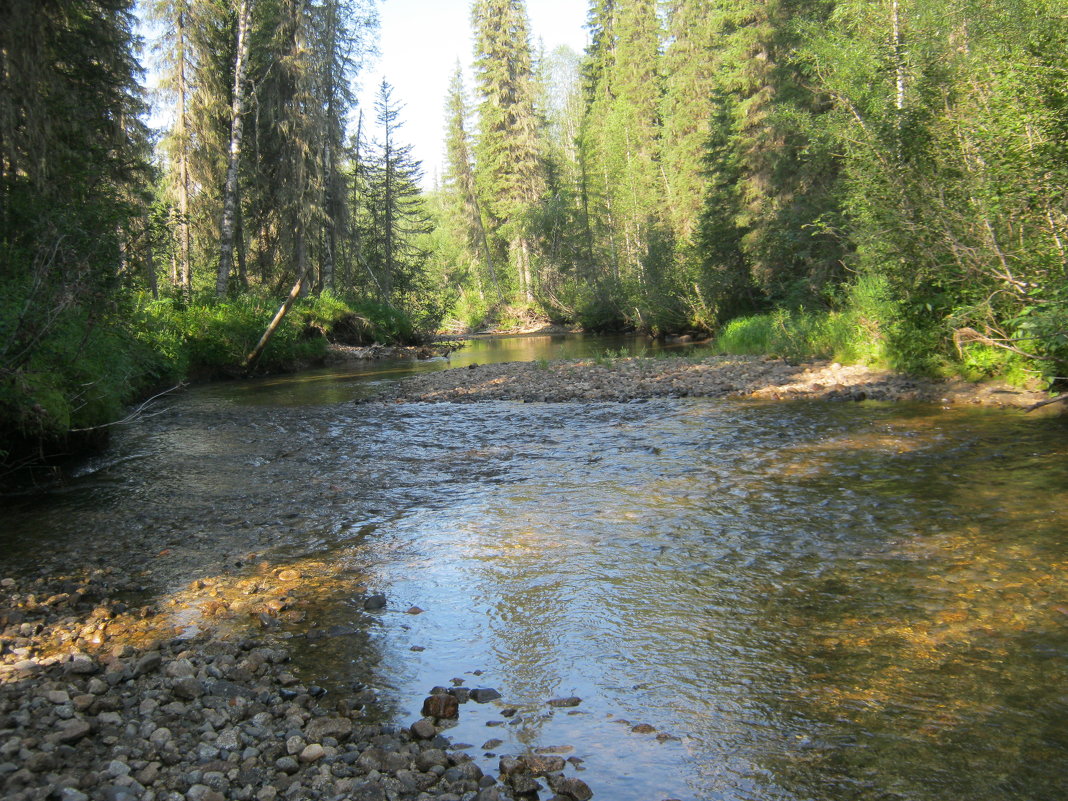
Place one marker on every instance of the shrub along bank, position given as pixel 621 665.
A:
pixel 86 370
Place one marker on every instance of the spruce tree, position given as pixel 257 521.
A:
pixel 507 154
pixel 175 18
pixel 395 215
pixel 460 187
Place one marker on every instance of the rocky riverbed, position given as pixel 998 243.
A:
pixel 631 379
pixel 105 700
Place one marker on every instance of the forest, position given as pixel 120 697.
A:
pixel 880 181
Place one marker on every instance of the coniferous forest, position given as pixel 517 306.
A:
pixel 880 181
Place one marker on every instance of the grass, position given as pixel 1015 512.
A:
pixel 83 374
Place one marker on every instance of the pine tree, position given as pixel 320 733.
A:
pixel 621 139
pixel 237 120
pixel 688 105
pixel 72 169
pixel 786 177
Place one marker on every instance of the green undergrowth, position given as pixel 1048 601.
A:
pixel 871 328
pixel 84 371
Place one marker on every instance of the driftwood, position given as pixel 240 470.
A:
pixel 1040 404
pixel 965 336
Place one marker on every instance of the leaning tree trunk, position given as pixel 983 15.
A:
pixel 280 315
pixel 226 228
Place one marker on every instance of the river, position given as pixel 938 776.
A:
pixel 765 601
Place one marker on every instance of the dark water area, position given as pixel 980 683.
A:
pixel 753 601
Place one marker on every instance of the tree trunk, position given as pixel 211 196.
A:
pixel 280 315
pixel 899 76
pixel 150 260
pixel 185 276
pixel 226 228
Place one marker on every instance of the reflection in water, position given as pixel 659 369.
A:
pixel 801 601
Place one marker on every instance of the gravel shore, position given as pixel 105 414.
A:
pixel 103 701
pixel 630 379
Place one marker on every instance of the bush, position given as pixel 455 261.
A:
pixel 863 331
pixel 81 375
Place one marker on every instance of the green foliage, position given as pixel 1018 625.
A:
pixel 79 376
pixel 213 337
pixel 388 324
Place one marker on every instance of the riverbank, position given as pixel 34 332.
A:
pixel 101 699
pixel 635 379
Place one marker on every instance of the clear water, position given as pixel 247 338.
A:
pixel 790 601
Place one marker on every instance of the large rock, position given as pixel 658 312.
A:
pixel 148 663
pixel 441 706
pixel 573 788
pixel 188 688
pixel 543 765
pixel 377 601
pixel 565 702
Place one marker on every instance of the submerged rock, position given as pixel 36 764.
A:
pixel 377 601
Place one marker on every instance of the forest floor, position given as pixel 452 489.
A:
pixel 759 378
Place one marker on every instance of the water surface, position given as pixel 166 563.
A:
pixel 753 601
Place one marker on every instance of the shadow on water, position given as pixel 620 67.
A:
pixel 752 601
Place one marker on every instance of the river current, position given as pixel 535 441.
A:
pixel 782 601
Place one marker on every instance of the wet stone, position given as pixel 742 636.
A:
pixel 188 688
pixel 573 788
pixel 287 764
pixel 82 665
pixel 484 695
pixel 377 601
pixel 441 706
pixel 565 702
pixel 148 663
pixel 70 731
pixel 424 729
pixel 312 753
pixel 523 784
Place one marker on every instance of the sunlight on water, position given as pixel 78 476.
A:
pixel 753 601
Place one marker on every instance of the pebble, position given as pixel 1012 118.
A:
pixel 204 718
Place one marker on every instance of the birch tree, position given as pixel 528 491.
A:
pixel 237 111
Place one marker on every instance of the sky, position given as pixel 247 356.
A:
pixel 420 43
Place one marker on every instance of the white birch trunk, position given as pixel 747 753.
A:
pixel 226 227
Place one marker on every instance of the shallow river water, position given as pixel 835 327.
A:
pixel 753 601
